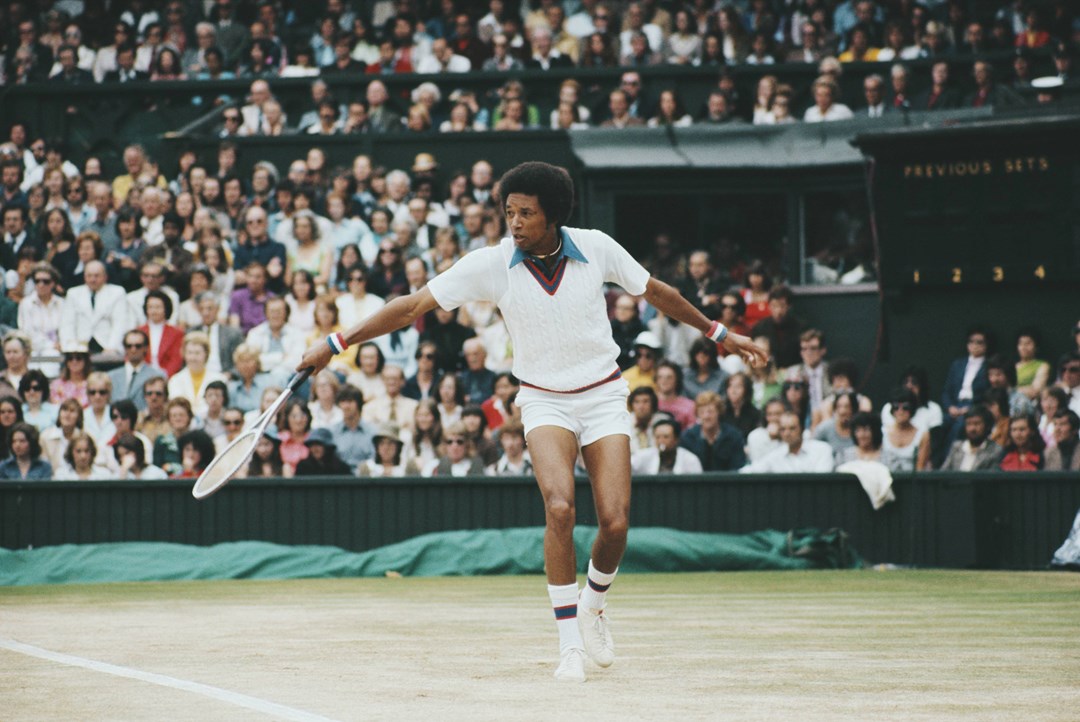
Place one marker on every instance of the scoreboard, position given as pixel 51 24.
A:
pixel 993 203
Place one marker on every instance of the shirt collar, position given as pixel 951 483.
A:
pixel 569 249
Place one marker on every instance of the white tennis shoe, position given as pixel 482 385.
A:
pixel 571 666
pixel 596 635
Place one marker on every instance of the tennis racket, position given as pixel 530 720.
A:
pixel 233 457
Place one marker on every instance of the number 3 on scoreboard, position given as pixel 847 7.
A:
pixel 957 275
pixel 999 274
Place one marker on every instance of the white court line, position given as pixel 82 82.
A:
pixel 240 700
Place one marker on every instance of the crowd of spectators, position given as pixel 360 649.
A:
pixel 149 317
pixel 83 42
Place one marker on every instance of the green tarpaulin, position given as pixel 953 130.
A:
pixel 458 553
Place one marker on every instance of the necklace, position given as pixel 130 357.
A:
pixel 549 255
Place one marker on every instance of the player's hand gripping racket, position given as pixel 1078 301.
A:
pixel 233 457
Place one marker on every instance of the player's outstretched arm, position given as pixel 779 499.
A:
pixel 399 313
pixel 671 303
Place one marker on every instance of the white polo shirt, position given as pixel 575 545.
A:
pixel 558 323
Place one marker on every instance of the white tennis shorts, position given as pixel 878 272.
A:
pixel 590 415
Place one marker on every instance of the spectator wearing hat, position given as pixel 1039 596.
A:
pixel 666 457
pixel 322 457
pixel 647 351
pixel 717 444
pixel 1063 62
pixel 387 461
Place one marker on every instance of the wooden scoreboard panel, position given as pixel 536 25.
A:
pixel 976 209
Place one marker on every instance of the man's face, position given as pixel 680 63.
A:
pixel 1070 374
pixel 481 175
pixel 13 222
pixel 631 85
pixel 791 431
pixel 275 315
pixel 473 219
pixel 208 311
pixel 10 178
pixel 872 91
pixel 982 74
pixel 256 223
pixel 618 105
pixel 475 355
pixel 95 276
pixel 717 105
pixel 134 348
pixel 976 345
pixel 215 399
pixel 376 94
pixel 152 277
pixel 975 430
pixel 154 395
pixel 133 161
pixel 393 379
pixel 699 266
pixel 812 352
pixel 641 407
pixel 779 308
pixel 526 222
pixel 349 409
pixel 624 309
pixel 256 279
pixel 415 273
pixel 1063 431
pixel 708 415
pixel 940 73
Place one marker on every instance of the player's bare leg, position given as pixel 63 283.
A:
pixel 608 463
pixel 554 451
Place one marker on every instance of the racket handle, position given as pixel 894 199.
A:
pixel 300 377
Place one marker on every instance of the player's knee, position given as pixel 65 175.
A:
pixel 560 511
pixel 615 525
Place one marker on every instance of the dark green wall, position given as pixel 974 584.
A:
pixel 1012 521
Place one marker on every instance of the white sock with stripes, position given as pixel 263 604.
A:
pixel 564 600
pixel 595 592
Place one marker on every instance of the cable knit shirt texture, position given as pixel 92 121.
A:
pixel 558 321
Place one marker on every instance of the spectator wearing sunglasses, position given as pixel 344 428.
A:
pixel 34 390
pixel 905 446
pixel 424 383
pixel 1070 378
pixel 97 420
pixel 647 352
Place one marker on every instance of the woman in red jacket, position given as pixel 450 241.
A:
pixel 166 341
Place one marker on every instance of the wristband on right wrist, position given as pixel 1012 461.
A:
pixel 717 332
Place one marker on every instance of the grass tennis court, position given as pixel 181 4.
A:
pixel 916 645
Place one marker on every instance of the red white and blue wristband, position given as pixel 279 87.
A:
pixel 337 343
pixel 717 332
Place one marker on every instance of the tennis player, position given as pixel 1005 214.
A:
pixel 548 280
